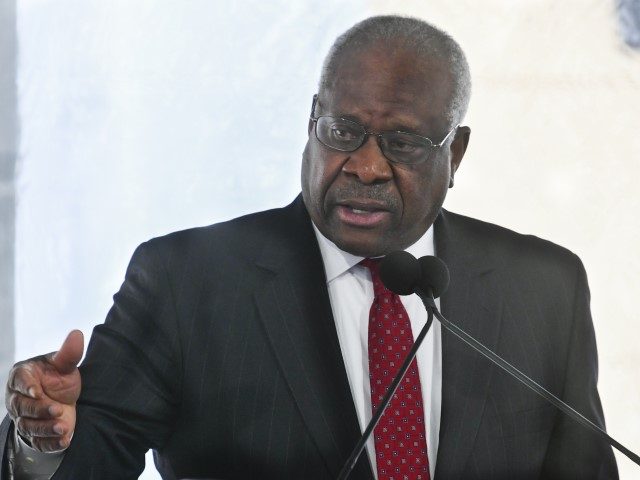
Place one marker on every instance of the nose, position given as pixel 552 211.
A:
pixel 368 163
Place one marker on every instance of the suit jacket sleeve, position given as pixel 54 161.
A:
pixel 131 378
pixel 575 452
pixel 5 430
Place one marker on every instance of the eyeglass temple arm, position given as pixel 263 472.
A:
pixel 313 107
pixel 445 138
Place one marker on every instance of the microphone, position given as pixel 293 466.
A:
pixel 434 276
pixel 403 274
pixel 400 272
pixel 434 279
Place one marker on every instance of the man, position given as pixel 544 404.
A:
pixel 259 347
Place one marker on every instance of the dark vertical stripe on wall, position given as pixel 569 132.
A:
pixel 8 154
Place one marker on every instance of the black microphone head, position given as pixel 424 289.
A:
pixel 400 272
pixel 434 275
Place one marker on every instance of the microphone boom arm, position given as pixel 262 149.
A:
pixel 430 305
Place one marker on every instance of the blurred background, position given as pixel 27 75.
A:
pixel 120 121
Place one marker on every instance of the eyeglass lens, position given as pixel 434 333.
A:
pixel 348 136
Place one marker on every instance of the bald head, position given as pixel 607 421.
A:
pixel 429 44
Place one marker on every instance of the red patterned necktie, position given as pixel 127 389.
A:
pixel 400 438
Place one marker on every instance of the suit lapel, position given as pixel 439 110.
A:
pixel 471 302
pixel 294 307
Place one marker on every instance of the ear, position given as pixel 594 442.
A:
pixel 459 147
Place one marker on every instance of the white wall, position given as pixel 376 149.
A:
pixel 139 118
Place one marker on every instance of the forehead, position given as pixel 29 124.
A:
pixel 388 84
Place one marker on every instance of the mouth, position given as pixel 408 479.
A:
pixel 364 214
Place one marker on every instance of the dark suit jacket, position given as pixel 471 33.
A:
pixel 220 353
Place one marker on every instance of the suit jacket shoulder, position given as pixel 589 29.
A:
pixel 274 233
pixel 505 245
pixel 528 260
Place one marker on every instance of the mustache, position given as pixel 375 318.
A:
pixel 376 192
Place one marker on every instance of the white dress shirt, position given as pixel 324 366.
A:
pixel 26 463
pixel 351 294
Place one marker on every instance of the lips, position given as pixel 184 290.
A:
pixel 362 213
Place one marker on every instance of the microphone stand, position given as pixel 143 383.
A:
pixel 430 305
pixel 355 454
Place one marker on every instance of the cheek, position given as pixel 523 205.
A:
pixel 323 170
pixel 422 188
pixel 319 171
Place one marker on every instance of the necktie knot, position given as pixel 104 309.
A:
pixel 373 264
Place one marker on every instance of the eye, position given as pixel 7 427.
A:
pixel 402 145
pixel 344 131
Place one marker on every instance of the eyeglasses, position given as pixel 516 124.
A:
pixel 348 136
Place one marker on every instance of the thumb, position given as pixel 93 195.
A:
pixel 67 358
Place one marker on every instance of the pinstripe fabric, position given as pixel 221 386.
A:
pixel 220 352
pixel 528 300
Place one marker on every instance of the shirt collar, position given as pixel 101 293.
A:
pixel 336 261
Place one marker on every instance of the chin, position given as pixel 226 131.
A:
pixel 362 247
pixel 361 242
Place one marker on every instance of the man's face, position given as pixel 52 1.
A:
pixel 359 200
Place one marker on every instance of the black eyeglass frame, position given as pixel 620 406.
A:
pixel 379 135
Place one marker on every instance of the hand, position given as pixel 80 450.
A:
pixel 42 393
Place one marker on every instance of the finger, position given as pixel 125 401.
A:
pixel 20 406
pixel 32 428
pixel 22 379
pixel 67 358
pixel 49 444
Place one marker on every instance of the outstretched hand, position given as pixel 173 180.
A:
pixel 42 393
